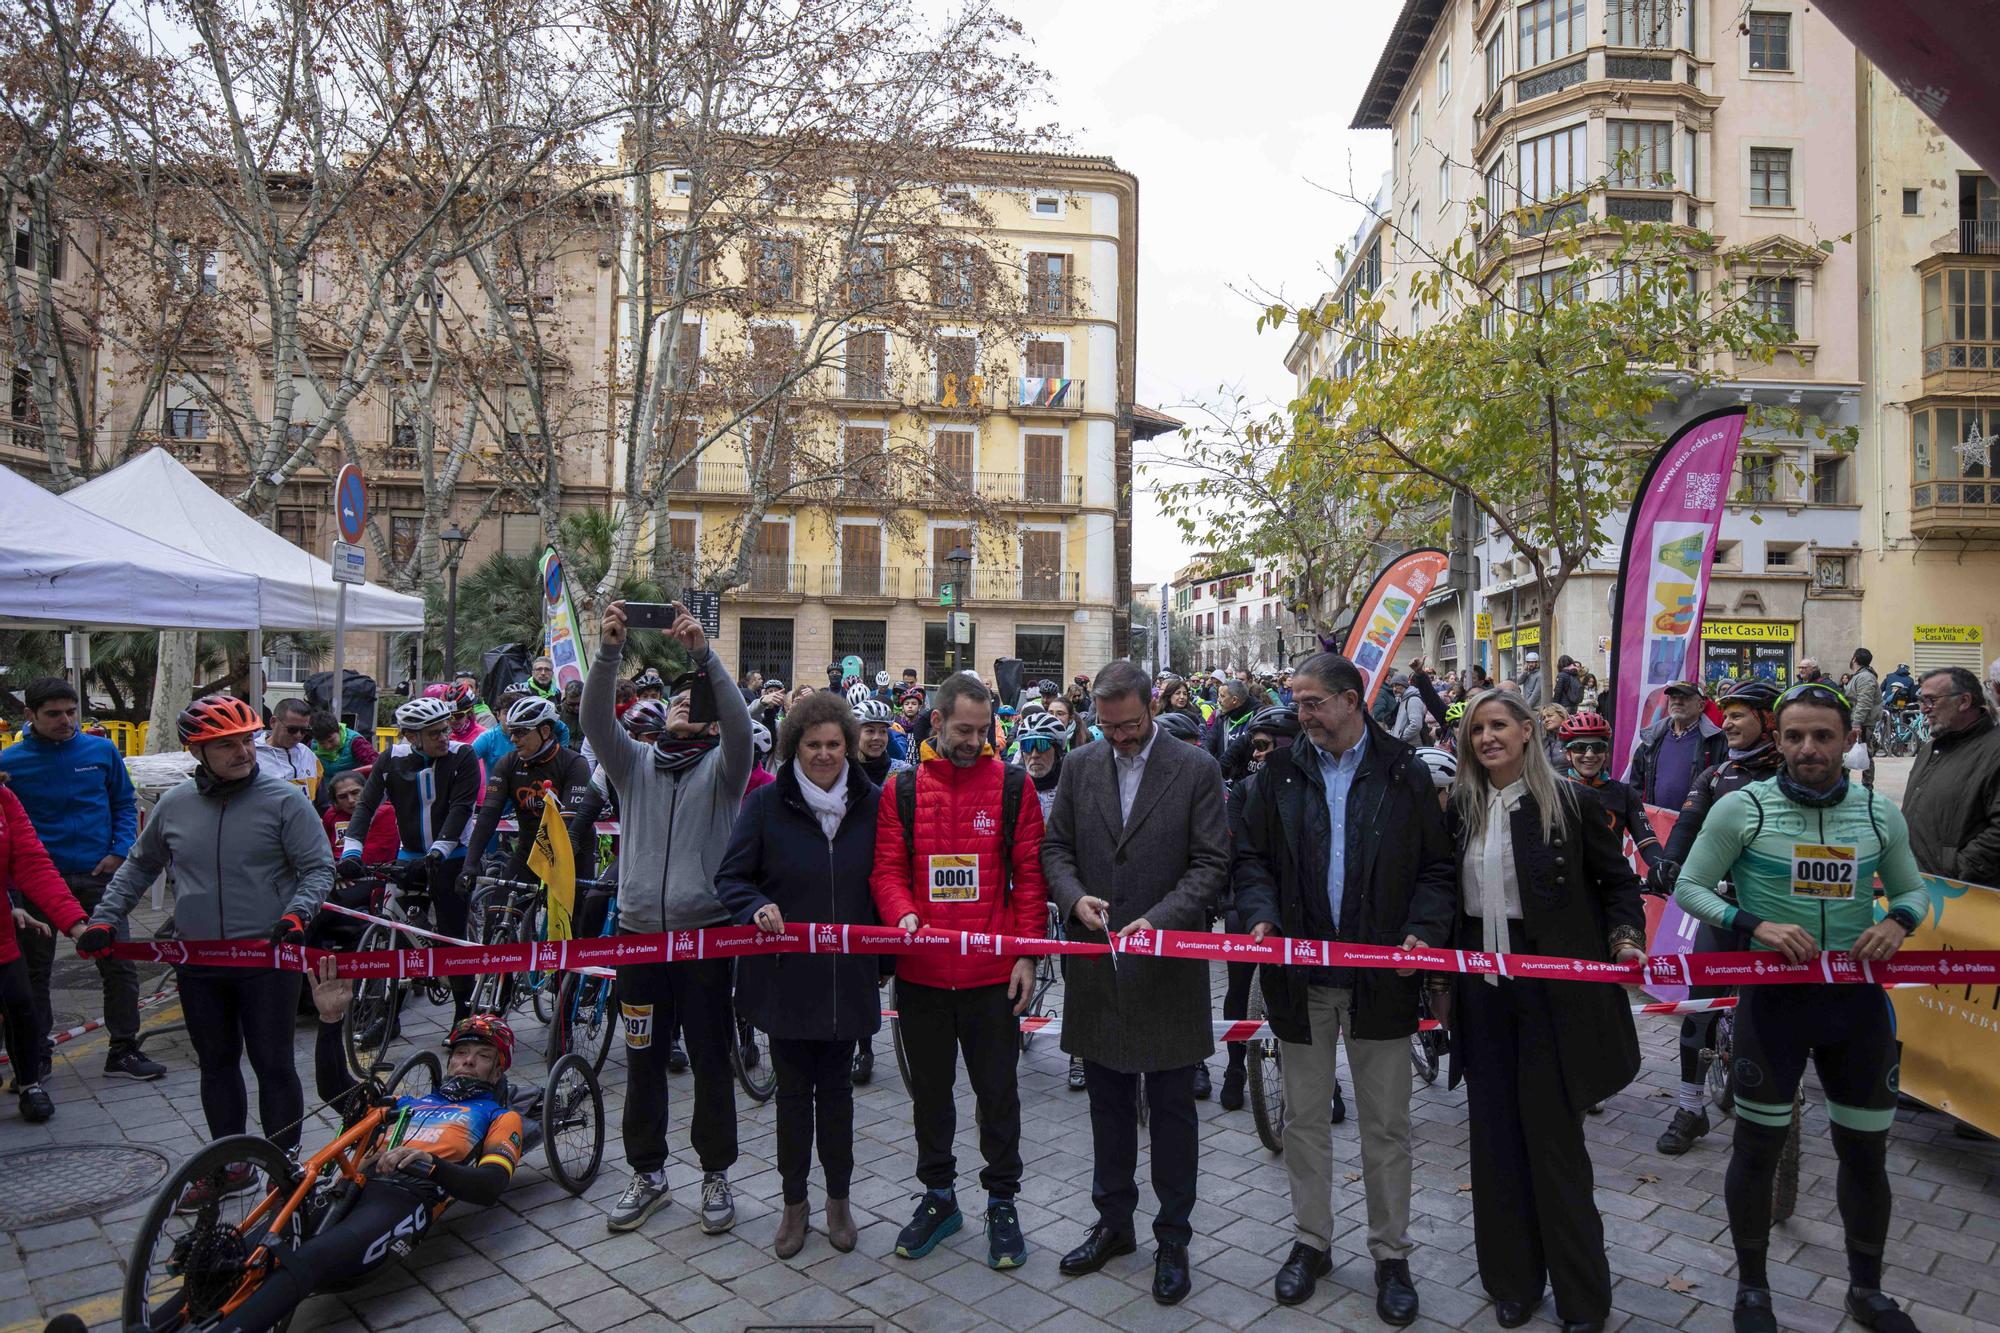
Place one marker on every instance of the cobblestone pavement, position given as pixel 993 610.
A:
pixel 541 1259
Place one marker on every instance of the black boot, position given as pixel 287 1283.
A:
pixel 1232 1088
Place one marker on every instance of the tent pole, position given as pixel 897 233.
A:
pixel 76 652
pixel 257 667
pixel 339 649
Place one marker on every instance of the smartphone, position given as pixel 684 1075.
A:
pixel 651 615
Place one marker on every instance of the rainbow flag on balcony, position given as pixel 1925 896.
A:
pixel 1047 391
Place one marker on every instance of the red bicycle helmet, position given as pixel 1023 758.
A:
pixel 1585 726
pixel 214 716
pixel 489 1028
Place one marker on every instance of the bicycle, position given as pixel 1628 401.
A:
pixel 374 1019
pixel 1902 731
pixel 189 1276
pixel 1265 1076
pixel 749 1054
pixel 514 911
pixel 1428 1047
pixel 586 1007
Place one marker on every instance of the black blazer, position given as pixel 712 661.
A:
pixel 779 854
pixel 1578 894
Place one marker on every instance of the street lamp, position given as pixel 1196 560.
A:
pixel 960 561
pixel 454 543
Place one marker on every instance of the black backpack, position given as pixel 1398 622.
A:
pixel 1013 782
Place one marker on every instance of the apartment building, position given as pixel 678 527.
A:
pixel 1705 114
pixel 1236 615
pixel 1930 313
pixel 1034 436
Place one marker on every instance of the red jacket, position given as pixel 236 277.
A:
pixel 955 882
pixel 382 842
pixel 25 866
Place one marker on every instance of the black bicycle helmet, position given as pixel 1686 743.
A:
pixel 1756 693
pixel 1178 725
pixel 1276 721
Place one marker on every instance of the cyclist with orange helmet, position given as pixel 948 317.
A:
pixel 461 1141
pixel 250 862
pixel 1586 744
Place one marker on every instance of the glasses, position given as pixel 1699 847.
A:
pixel 1588 747
pixel 431 732
pixel 1926 702
pixel 1262 746
pixel 1131 728
pixel 1035 744
pixel 1314 703
pixel 515 733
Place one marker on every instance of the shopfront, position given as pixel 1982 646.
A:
pixel 1935 646
pixel 1733 650
pixel 1512 646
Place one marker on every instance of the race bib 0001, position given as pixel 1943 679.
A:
pixel 1821 871
pixel 954 879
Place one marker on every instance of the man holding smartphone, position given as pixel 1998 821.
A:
pixel 678 799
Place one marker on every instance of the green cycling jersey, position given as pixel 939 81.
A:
pixel 1805 865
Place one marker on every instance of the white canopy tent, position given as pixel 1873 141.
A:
pixel 65 565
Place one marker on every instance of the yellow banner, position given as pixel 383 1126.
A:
pixel 1951 1034
pixel 1750 631
pixel 552 858
pixel 1949 634
pixel 1482 625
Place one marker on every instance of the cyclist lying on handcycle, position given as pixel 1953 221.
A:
pixel 460 1142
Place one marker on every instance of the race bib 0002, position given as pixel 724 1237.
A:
pixel 1821 871
pixel 954 879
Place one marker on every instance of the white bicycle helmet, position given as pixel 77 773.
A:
pixel 647 717
pixel 1041 722
pixel 760 738
pixel 872 710
pixel 1443 765
pixel 420 713
pixel 533 711
pixel 858 694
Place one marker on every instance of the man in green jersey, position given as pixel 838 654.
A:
pixel 1803 849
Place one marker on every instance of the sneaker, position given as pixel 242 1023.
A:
pixel 237 1178
pixel 131 1062
pixel 1005 1246
pixel 36 1104
pixel 718 1206
pixel 1077 1082
pixel 644 1195
pixel 1687 1126
pixel 937 1216
pixel 677 1059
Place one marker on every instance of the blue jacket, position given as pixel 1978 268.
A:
pixel 79 796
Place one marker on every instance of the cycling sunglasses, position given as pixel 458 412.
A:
pixel 515 732
pixel 1262 745
pixel 1034 743
pixel 1588 747
pixel 1814 692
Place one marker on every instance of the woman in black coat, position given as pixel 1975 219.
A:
pixel 802 850
pixel 1536 870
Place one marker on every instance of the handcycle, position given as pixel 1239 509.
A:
pixel 190 1268
pixel 374 1019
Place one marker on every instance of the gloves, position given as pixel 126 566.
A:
pixel 289 930
pixel 1660 879
pixel 433 856
pixel 96 940
pixel 350 869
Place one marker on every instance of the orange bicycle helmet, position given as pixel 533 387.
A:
pixel 1586 726
pixel 489 1028
pixel 215 716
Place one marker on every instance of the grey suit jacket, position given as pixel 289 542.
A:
pixel 1167 864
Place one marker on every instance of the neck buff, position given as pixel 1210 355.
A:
pixel 1755 752
pixel 677 754
pixel 208 784
pixel 464 1089
pixel 877 768
pixel 1055 774
pixel 1800 794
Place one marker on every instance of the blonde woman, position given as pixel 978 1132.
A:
pixel 1536 876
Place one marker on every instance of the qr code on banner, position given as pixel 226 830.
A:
pixel 1703 490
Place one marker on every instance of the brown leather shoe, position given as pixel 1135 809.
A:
pixel 840 1225
pixel 791 1231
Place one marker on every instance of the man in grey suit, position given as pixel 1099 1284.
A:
pixel 1137 840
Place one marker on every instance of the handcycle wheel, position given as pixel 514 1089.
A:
pixel 374 1018
pixel 1785 1187
pixel 418 1074
pixel 1264 1066
pixel 573 1123
pixel 186 1265
pixel 1721 1083
pixel 586 1014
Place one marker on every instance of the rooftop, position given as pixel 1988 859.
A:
pixel 1399 56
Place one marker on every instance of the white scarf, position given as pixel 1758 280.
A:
pixel 1496 854
pixel 829 807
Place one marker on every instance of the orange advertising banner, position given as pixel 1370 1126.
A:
pixel 1388 612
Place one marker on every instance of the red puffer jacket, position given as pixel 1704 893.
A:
pixel 27 867
pixel 953 880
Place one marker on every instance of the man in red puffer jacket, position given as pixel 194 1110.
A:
pixel 25 865
pixel 954 870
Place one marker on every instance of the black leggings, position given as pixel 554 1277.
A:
pixel 234 1011
pixel 386 1222
pixel 17 1005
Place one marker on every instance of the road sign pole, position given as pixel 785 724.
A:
pixel 339 647
pixel 350 513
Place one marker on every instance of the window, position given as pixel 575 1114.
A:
pixel 1551 166
pixel 958 381
pixel 938 651
pixel 1935 436
pixel 868 275
pixel 770 566
pixel 1784 555
pixel 1770 41
pixel 1641 153
pixel 186 423
pixel 1443 76
pixel 1760 478
pixel 1040 648
pixel 197 269
pixel 680 182
pixel 1043 359
pixel 860 560
pixel 1728 555
pixel 1416 127
pixel 867 368
pixel 1770 178
pixel 771 348
pixel 945 540
pixel 1496 65
pixel 24 249
pixel 1416 222
pixel 1495 191
pixel 1642 23
pixel 958 199
pixel 1041 565
pixel 864 460
pixel 1444 183
pixel 675 254
pixel 776 278
pixel 1829 481
pixel 865 639
pixel 522 534
pixel 404 529
pixel 1048 205
pixel 1961 320
pixel 1548 30
pixel 687 354
pixel 297 526
pixel 1048 284
pixel 1535 290
pixel 957 282
pixel 1776 299
pixel 536 287
pixel 953 451
pixel 1041 464
pixel 1911 203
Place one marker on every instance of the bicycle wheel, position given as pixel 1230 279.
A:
pixel 1038 995
pixel 373 1020
pixel 1424 1052
pixel 1266 1078
pixel 417 1075
pixel 187 1264
pixel 586 1012
pixel 750 1057
pixel 1720 1080
pixel 541 986
pixel 489 919
pixel 572 1123
pixel 1785 1188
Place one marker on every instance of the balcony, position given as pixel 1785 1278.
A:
pixel 774 576
pixel 1027 393
pixel 869 387
pixel 1006 585
pixel 863 582
pixel 707 478
pixel 1030 488
pixel 1978 236
pixel 27 442
pixel 1959 508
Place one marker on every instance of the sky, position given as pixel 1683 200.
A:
pixel 1233 115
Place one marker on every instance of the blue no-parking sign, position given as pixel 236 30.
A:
pixel 350 503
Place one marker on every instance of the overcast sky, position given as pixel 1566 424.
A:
pixel 1233 115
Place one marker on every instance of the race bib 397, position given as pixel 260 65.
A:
pixel 638 1025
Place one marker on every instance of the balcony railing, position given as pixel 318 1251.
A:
pixel 1550 81
pixel 709 479
pixel 772 575
pixel 1945 356
pixel 1038 393
pixel 1958 506
pixel 859 581
pixel 863 386
pixel 1978 236
pixel 1048 391
pixel 1006 585
pixel 1046 488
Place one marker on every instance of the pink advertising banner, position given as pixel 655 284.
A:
pixel 1663 575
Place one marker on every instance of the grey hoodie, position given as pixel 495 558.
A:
pixel 674 827
pixel 240 861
